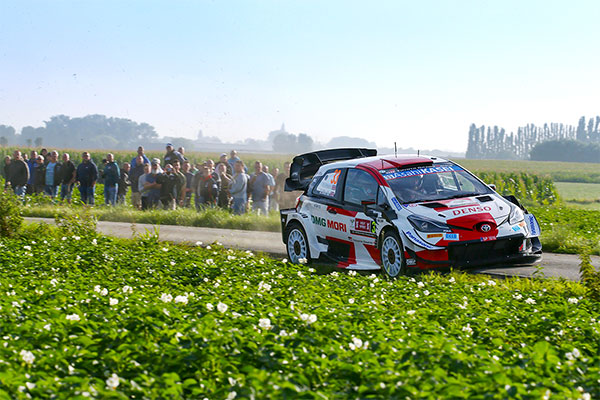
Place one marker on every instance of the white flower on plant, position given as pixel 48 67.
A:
pixel 27 248
pixel 517 296
pixel 27 356
pixel 302 260
pixel 411 312
pixel 76 237
pixel 30 385
pixel 222 307
pixel 586 396
pixel 166 298
pixel 97 288
pixel 358 344
pixel 265 287
pixel 264 323
pixel 127 289
pixel 113 302
pixel 426 292
pixel 420 284
pixel 530 301
pixel 165 249
pixel 232 395
pixel 94 242
pixel 491 282
pixel 573 300
pixel 352 273
pixel 47 327
pixel 73 317
pixel 104 292
pixel 113 381
pixel 53 282
pixel 576 353
pixel 172 263
pixel 351 301
pixel 467 329
pixel 209 307
pixel 451 280
pixel 284 260
pixel 210 261
pixel 198 243
pixel 308 318
pixel 181 299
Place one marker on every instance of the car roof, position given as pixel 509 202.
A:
pixel 385 161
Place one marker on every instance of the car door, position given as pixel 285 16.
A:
pixel 359 187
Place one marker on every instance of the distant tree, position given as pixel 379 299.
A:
pixel 38 141
pixel 581 133
pixel 8 132
pixel 28 141
pixel 305 143
pixel 285 143
pixel 3 141
pixel 566 150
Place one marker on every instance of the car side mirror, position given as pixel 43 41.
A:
pixel 366 204
pixel 492 186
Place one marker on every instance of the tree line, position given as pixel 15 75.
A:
pixel 487 142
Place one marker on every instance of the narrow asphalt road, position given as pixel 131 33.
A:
pixel 552 265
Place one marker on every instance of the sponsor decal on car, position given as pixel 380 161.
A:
pixel 396 203
pixel 338 226
pixel 364 227
pixel 434 235
pixel 516 228
pixel 318 220
pixel 534 228
pixel 488 238
pixel 405 173
pixel 411 261
pixel 418 241
pixel 451 237
pixel 471 210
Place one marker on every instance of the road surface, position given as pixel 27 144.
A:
pixel 553 265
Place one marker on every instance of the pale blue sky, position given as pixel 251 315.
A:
pixel 415 72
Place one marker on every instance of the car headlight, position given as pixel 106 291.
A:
pixel 516 215
pixel 427 225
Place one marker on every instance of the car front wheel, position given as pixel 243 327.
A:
pixel 297 245
pixel 392 255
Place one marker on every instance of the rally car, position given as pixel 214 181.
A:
pixel 401 213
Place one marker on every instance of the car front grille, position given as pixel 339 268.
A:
pixel 470 253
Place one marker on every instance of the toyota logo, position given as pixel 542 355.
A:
pixel 485 228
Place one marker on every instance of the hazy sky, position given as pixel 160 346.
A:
pixel 415 72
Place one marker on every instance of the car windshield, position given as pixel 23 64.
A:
pixel 437 182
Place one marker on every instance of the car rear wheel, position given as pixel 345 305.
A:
pixel 297 244
pixel 392 255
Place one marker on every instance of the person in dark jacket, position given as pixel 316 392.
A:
pixel 112 174
pixel 67 178
pixel 207 187
pixel 172 155
pixel 31 165
pixel 134 178
pixel 168 187
pixel 18 174
pixel 124 183
pixel 39 175
pixel 87 175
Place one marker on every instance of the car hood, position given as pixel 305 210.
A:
pixel 466 212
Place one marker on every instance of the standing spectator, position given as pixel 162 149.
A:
pixel 111 180
pixel 272 200
pixel 67 178
pixel 238 187
pixel 223 160
pixel 259 189
pixel 145 186
pixel 52 175
pixel 233 158
pixel 18 174
pixel 172 155
pixel 46 156
pixel 124 183
pixel 87 175
pixel 168 187
pixel 39 175
pixel 189 179
pixel 140 153
pixel 134 175
pixel 225 178
pixel 179 184
pixel 31 165
pixel 154 194
pixel 181 151
pixel 5 172
pixel 207 189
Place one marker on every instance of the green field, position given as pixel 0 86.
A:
pixel 90 316
pixel 580 195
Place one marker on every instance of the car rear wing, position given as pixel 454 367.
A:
pixel 305 166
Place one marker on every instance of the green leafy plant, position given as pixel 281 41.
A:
pixel 11 217
pixel 589 276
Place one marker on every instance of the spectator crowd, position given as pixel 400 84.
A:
pixel 169 183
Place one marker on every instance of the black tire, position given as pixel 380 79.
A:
pixel 393 263
pixel 296 243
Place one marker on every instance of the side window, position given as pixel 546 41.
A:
pixel 465 184
pixel 328 186
pixel 360 186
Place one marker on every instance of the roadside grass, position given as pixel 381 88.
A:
pixel 86 315
pixel 580 195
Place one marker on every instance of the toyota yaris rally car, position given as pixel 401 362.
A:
pixel 401 213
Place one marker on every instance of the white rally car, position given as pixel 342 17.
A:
pixel 401 213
